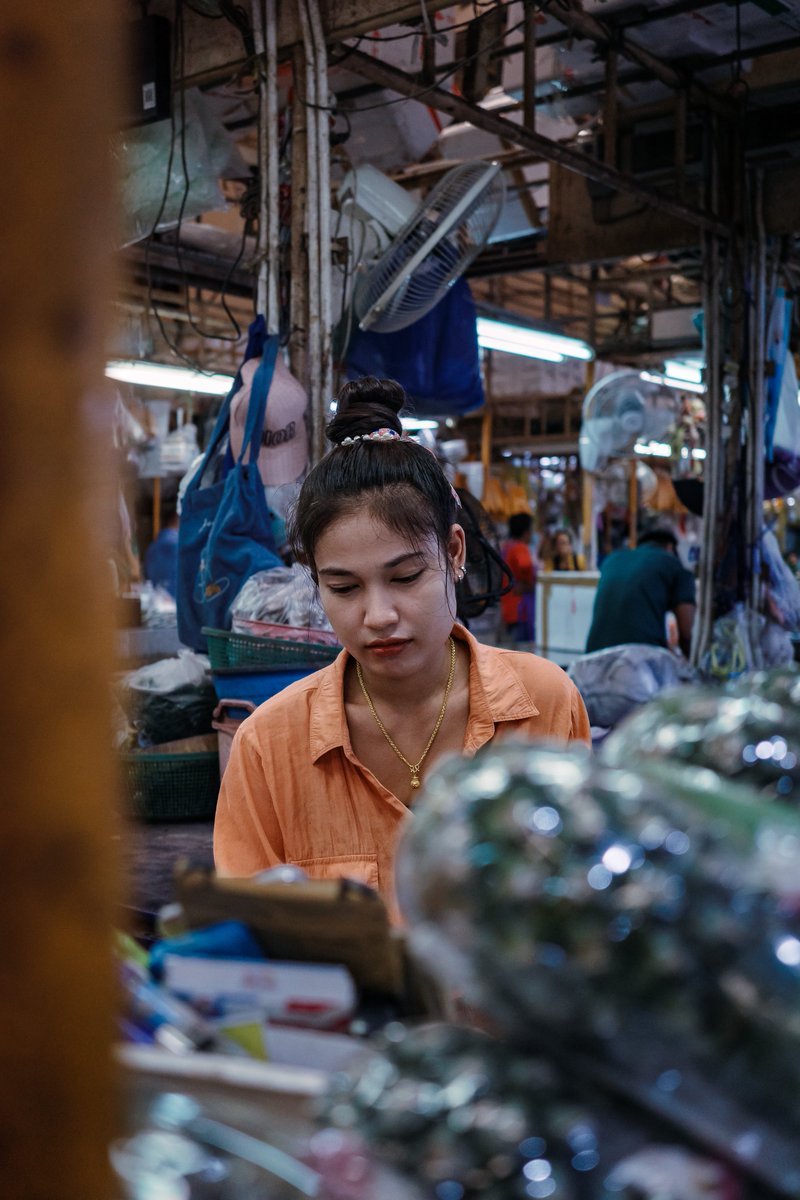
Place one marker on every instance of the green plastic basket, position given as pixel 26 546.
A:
pixel 171 787
pixel 226 649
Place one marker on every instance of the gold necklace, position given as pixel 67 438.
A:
pixel 413 767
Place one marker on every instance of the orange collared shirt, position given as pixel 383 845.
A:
pixel 294 791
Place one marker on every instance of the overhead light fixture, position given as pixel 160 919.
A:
pixel 683 371
pixel 653 449
pixel 410 424
pixel 416 424
pixel 531 343
pixel 170 379
pixel 671 382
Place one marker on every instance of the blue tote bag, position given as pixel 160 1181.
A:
pixel 225 533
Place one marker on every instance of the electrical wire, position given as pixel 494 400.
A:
pixel 236 335
pixel 151 304
pixel 178 60
pixel 426 91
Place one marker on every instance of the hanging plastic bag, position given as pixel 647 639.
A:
pixel 225 534
pixel 614 681
pixel 170 699
pixel 282 596
pixel 783 586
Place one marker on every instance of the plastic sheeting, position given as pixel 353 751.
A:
pixel 196 162
pixel 613 682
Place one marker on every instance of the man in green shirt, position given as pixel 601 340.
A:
pixel 636 590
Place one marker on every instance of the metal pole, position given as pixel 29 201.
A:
pixel 324 225
pixel 589 532
pixel 272 263
pixel 298 302
pixel 755 441
pixel 713 472
pixel 314 373
pixel 529 68
pixel 261 154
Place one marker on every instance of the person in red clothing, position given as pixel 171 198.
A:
pixel 518 607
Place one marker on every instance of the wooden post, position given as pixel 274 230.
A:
pixel 587 493
pixel 156 506
pixel 59 73
pixel 486 424
pixel 633 504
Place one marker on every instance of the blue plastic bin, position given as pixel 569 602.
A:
pixel 259 684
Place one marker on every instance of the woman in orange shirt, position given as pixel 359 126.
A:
pixel 323 775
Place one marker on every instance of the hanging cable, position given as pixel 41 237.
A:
pixel 324 201
pixel 237 332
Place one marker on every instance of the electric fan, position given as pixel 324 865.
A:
pixel 430 246
pixel 621 411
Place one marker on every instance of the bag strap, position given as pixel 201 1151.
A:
pixel 257 333
pixel 257 407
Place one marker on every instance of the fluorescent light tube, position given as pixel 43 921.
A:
pixel 170 379
pixel 654 449
pixel 416 424
pixel 675 384
pixel 683 372
pixel 533 343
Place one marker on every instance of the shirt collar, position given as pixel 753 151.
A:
pixel 495 690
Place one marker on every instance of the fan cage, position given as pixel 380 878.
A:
pixel 455 222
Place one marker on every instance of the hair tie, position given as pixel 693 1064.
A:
pixel 384 434
pixel 378 435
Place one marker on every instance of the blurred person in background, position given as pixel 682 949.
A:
pixel 161 556
pixel 636 590
pixel 518 607
pixel 559 553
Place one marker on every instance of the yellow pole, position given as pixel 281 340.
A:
pixel 633 504
pixel 587 489
pixel 486 425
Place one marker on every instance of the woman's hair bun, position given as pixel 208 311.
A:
pixel 367 404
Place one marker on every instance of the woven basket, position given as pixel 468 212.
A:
pixel 226 649
pixel 172 786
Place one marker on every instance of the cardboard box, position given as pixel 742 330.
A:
pixel 319 921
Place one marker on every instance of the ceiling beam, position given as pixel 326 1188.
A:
pixel 587 26
pixel 555 152
pixel 214 49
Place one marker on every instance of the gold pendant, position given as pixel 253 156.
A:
pixel 415 783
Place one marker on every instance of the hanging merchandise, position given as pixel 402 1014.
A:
pixel 436 359
pixel 777 347
pixel 170 170
pixel 283 441
pixel 226 532
pixel 749 733
pixel 636 926
pixel 783 589
pixel 782 468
